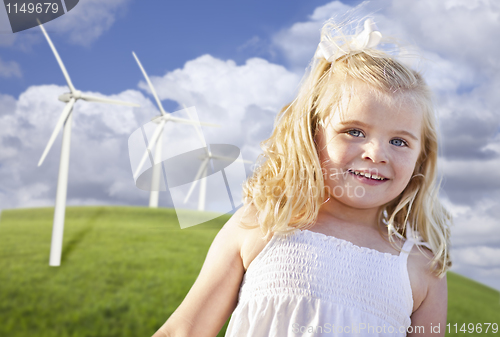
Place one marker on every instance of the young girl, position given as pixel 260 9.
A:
pixel 330 240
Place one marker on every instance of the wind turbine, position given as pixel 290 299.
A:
pixel 203 170
pixel 157 139
pixel 64 122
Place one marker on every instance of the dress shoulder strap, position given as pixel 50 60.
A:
pixel 406 249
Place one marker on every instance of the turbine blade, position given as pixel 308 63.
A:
pixel 141 163
pixel 198 174
pixel 198 132
pixel 106 100
pixel 59 125
pixel 153 91
pixel 58 58
pixel 152 143
pixel 188 121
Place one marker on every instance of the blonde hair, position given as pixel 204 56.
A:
pixel 288 187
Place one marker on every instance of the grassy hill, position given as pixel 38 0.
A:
pixel 125 270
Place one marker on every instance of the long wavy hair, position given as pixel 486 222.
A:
pixel 288 186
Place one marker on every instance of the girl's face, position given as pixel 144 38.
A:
pixel 369 150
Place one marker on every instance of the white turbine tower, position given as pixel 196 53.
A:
pixel 62 182
pixel 156 140
pixel 201 175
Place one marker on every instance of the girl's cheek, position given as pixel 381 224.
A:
pixel 348 154
pixel 407 168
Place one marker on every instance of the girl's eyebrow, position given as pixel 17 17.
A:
pixel 364 125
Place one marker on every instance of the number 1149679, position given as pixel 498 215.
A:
pixel 472 328
pixel 29 7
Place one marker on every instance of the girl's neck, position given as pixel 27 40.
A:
pixel 336 213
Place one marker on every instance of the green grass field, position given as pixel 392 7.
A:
pixel 126 269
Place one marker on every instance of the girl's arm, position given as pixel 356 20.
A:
pixel 430 317
pixel 214 294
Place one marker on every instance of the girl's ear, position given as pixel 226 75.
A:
pixel 420 162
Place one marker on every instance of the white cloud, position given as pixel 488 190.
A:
pixel 7 104
pixel 228 85
pixel 89 20
pixel 226 94
pixel 475 229
pixel 481 256
pixel 325 12
pixel 98 156
pixel 9 69
pixel 464 40
pixel 299 41
pixel 460 30
pixel 34 195
pixel 487 276
pixel 443 75
pixel 479 173
pixel 475 239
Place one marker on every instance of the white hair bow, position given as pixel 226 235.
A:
pixel 368 38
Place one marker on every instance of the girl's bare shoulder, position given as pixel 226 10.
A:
pixel 245 227
pixel 430 292
pixel 421 276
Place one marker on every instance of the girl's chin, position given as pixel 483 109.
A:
pixel 366 202
pixel 365 205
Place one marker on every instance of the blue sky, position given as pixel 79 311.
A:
pixel 238 63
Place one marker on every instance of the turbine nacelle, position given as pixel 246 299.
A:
pixel 67 96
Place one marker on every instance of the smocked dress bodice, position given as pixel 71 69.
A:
pixel 309 284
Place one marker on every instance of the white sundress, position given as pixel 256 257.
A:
pixel 305 283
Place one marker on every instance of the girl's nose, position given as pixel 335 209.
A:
pixel 375 152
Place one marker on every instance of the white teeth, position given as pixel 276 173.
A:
pixel 367 175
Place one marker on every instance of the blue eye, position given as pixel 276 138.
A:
pixel 398 142
pixel 355 133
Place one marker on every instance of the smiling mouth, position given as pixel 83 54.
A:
pixel 367 175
